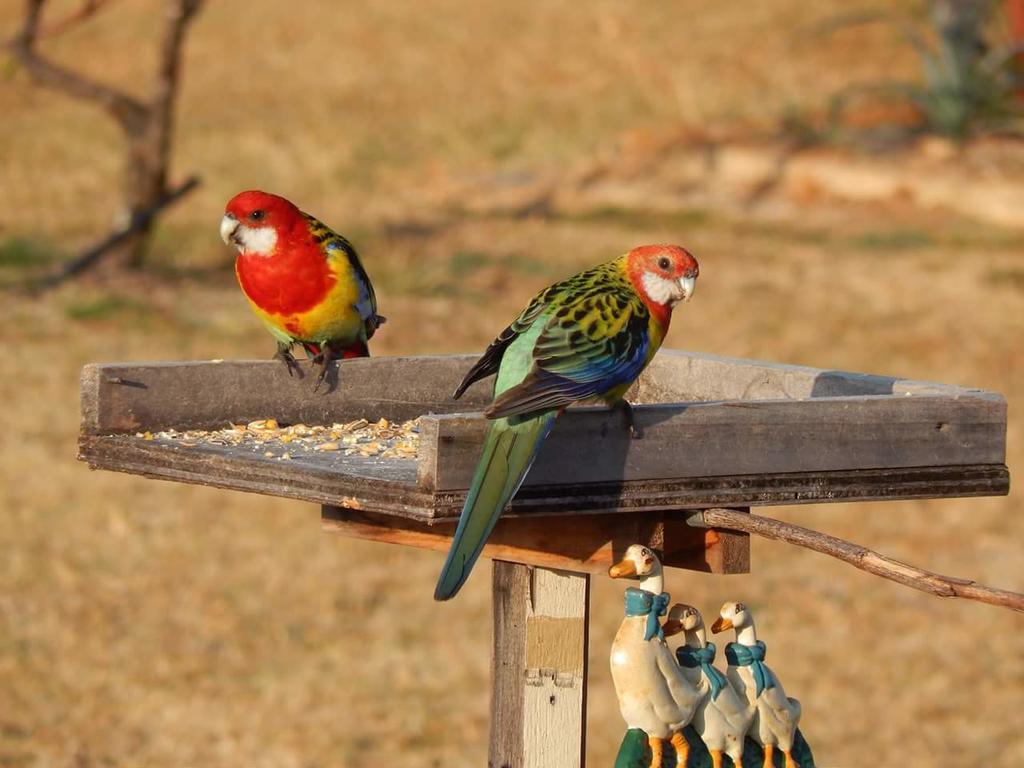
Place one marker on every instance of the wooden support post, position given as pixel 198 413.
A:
pixel 539 667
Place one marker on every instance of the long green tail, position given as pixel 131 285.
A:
pixel 509 450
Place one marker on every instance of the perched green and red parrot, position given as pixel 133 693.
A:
pixel 302 279
pixel 583 338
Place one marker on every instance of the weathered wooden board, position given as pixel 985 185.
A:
pixel 511 594
pixel 588 445
pixel 588 543
pixel 384 486
pixel 539 668
pixel 129 397
pixel 675 376
pixel 750 434
pixel 390 487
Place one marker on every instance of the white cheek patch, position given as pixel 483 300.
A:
pixel 659 289
pixel 260 241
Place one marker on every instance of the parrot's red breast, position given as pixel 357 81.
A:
pixel 297 280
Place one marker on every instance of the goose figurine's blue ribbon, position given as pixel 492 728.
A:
pixel 752 656
pixel 640 602
pixel 688 656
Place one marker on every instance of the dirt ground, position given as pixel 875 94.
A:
pixel 152 624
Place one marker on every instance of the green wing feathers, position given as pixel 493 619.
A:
pixel 509 450
pixel 581 338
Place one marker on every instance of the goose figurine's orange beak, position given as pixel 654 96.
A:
pixel 622 569
pixel 721 624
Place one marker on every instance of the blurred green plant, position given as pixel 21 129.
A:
pixel 21 252
pixel 465 263
pixel 1010 278
pixel 630 217
pixel 893 240
pixel 968 84
pixel 23 261
pixel 105 308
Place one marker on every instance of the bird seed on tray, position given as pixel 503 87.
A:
pixel 381 438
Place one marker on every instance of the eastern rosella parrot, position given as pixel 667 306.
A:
pixel 302 279
pixel 586 337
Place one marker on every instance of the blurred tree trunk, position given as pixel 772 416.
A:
pixel 147 125
pixel 1015 18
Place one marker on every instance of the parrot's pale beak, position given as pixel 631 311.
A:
pixel 622 569
pixel 721 624
pixel 228 227
pixel 686 287
pixel 672 627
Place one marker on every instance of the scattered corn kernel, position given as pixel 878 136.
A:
pixel 360 437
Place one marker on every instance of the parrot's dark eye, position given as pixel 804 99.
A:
pixel 664 263
pixel 257 215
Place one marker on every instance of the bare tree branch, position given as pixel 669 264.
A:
pixel 147 125
pixel 149 155
pixel 129 112
pixel 857 556
pixel 139 221
pixel 87 10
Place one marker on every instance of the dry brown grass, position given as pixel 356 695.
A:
pixel 152 624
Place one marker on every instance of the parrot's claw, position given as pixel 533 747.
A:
pixel 284 354
pixel 628 421
pixel 328 371
pixel 322 375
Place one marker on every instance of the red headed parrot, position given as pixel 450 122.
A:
pixel 587 337
pixel 303 280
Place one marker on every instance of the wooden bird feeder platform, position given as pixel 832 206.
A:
pixel 716 432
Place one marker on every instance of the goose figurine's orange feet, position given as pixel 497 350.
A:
pixel 656 751
pixel 682 749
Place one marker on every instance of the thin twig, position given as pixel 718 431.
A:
pixel 86 10
pixel 857 556
pixel 138 221
pixel 179 14
pixel 129 112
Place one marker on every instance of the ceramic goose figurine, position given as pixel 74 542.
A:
pixel 776 716
pixel 654 694
pixel 723 716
